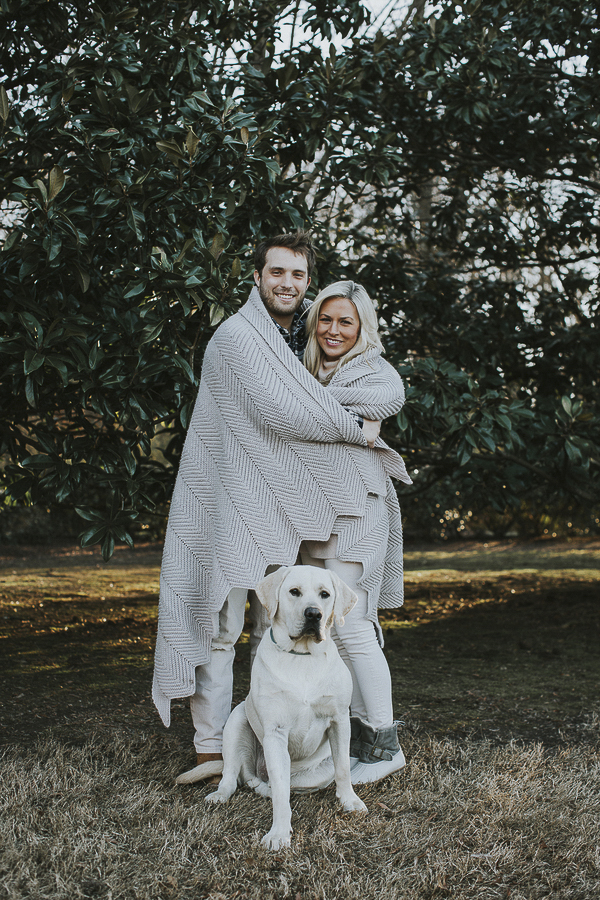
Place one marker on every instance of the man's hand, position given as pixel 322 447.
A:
pixel 371 431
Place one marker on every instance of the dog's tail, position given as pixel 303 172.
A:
pixel 199 773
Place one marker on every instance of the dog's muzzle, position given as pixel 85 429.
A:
pixel 312 622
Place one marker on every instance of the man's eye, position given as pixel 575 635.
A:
pixel 295 592
pixel 324 595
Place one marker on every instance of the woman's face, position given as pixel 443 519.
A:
pixel 338 327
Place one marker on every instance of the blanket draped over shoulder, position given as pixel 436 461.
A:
pixel 271 458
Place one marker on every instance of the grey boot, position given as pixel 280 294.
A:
pixel 355 738
pixel 379 753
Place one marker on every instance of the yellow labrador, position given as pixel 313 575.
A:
pixel 296 713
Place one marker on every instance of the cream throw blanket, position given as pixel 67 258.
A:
pixel 271 458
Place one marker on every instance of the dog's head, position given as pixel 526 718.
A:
pixel 305 601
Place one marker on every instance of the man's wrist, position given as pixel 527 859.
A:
pixel 356 416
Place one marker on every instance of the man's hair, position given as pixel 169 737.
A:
pixel 298 241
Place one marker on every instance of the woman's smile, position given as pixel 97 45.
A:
pixel 338 328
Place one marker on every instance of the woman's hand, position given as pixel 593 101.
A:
pixel 371 431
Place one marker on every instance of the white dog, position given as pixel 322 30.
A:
pixel 296 713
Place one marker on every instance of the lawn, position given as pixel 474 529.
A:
pixel 495 660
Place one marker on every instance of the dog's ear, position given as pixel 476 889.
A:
pixel 268 590
pixel 344 598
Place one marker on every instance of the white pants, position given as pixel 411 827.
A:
pixel 211 704
pixel 358 646
pixel 356 641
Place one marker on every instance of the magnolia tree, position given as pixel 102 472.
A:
pixel 448 161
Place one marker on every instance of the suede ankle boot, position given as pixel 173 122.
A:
pixel 355 738
pixel 379 753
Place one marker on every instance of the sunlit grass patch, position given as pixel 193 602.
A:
pixel 495 556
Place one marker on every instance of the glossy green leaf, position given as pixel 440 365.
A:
pixel 56 182
pixel 32 361
pixel 4 104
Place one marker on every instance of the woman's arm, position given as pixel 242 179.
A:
pixel 374 390
pixel 269 386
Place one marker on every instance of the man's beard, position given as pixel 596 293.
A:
pixel 275 306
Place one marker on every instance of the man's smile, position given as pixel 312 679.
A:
pixel 282 283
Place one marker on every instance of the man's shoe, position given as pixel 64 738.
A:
pixel 209 757
pixel 209 767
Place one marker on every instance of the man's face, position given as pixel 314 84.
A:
pixel 282 283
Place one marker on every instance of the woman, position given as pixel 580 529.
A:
pixel 344 353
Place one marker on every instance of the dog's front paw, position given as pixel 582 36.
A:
pixel 276 840
pixel 216 797
pixel 353 804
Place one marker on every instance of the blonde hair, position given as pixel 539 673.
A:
pixel 368 335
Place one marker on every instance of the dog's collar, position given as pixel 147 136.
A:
pixel 295 652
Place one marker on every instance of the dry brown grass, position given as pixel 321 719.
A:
pixel 495 642
pixel 464 820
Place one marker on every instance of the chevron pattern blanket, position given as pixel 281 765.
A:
pixel 271 459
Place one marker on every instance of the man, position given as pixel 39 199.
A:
pixel 282 280
pixel 267 464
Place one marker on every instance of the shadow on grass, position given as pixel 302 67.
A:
pixel 476 650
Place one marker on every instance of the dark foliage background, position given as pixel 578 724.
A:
pixel 448 161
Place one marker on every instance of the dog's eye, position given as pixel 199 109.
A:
pixel 295 592
pixel 324 595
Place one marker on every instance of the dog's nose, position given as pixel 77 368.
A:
pixel 312 614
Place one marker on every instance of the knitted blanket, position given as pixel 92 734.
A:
pixel 271 458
